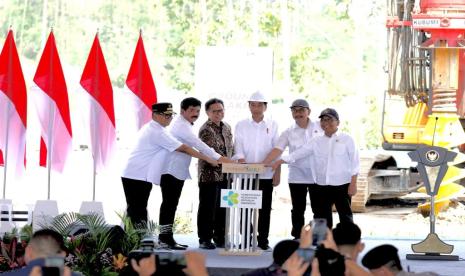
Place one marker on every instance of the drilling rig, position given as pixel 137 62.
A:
pixel 425 92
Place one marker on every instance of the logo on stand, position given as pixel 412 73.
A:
pixel 432 155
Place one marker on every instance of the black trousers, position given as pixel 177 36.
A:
pixel 171 189
pixel 322 199
pixel 210 216
pixel 299 204
pixel 137 194
pixel 263 229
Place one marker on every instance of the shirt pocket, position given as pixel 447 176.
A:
pixel 296 139
pixel 339 149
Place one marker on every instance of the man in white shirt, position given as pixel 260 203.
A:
pixel 255 138
pixel 300 176
pixel 335 166
pixel 176 170
pixel 145 162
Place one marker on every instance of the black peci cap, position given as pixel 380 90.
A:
pixel 164 108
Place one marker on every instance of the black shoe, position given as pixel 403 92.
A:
pixel 219 244
pixel 172 246
pixel 169 243
pixel 264 247
pixel 207 245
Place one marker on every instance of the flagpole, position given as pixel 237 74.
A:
pixel 95 176
pixel 50 128
pixel 49 149
pixel 96 81
pixel 10 84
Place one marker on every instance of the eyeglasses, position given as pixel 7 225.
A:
pixel 167 116
pixel 218 111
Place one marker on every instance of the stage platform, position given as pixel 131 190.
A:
pixel 219 265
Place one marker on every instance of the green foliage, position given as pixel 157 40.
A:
pixel 182 225
pixel 270 24
pixel 324 50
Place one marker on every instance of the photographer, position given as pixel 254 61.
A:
pixel 44 245
pixel 327 261
pixel 195 265
pixel 281 252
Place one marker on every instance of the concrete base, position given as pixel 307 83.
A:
pixel 432 257
pixel 92 207
pixel 44 212
pixel 6 224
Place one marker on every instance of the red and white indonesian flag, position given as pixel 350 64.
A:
pixel 13 107
pixel 140 82
pixel 51 100
pixel 96 82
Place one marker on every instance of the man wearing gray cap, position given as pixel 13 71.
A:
pixel 300 175
pixel 334 165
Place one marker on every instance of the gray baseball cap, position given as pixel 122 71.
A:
pixel 300 103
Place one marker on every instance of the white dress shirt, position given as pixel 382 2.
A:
pixel 334 160
pixel 147 159
pixel 253 141
pixel 178 163
pixel 295 137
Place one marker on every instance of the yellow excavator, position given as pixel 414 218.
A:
pixel 424 103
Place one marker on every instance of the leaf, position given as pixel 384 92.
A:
pixel 63 223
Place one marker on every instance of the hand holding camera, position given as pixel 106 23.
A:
pixel 316 240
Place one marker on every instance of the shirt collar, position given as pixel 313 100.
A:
pixel 309 126
pixel 265 120
pixel 335 134
pixel 184 120
pixel 157 123
pixel 210 122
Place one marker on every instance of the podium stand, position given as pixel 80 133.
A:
pixel 242 199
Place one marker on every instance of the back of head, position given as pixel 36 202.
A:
pixel 283 250
pixel 190 101
pixel 346 233
pixel 45 243
pixel 383 255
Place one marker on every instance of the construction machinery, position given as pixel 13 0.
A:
pixel 426 83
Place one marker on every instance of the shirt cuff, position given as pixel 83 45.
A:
pixel 287 159
pixel 216 155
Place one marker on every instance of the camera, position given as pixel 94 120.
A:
pixel 306 254
pixel 53 266
pixel 319 228
pixel 166 261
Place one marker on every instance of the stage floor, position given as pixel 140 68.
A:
pixel 236 265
